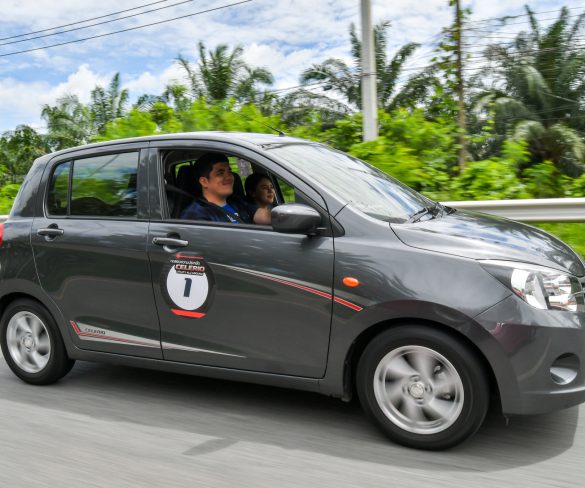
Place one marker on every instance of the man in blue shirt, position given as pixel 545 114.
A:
pixel 218 204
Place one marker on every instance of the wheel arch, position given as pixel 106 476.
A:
pixel 17 295
pixel 10 297
pixel 366 336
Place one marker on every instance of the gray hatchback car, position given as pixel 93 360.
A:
pixel 359 285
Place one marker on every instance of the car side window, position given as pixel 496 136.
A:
pixel 101 186
pixel 184 195
pixel 59 190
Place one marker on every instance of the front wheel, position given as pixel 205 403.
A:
pixel 31 343
pixel 424 388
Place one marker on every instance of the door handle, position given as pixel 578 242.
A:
pixel 170 242
pixel 50 232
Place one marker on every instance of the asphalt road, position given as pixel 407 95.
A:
pixel 105 426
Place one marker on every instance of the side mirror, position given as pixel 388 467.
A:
pixel 294 218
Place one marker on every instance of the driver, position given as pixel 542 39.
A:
pixel 218 204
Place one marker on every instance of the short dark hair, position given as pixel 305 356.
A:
pixel 252 182
pixel 205 163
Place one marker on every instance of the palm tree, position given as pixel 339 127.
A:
pixel 346 80
pixel 108 105
pixel 174 95
pixel 69 123
pixel 304 107
pixel 537 90
pixel 221 74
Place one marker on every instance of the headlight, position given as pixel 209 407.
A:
pixel 541 287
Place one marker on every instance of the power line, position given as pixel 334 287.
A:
pixel 82 21
pixel 97 23
pixel 497 30
pixel 125 30
pixel 506 17
pixel 511 38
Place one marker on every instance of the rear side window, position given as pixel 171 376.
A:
pixel 102 186
pixel 59 190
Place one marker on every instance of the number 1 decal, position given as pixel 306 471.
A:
pixel 187 291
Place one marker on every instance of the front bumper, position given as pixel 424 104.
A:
pixel 524 344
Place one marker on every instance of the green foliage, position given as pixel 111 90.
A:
pixel 494 178
pixel 346 133
pixel 135 124
pixel 577 188
pixel 544 180
pixel 7 196
pixel 200 116
pixel 18 150
pixel 226 116
pixel 164 117
pixel 490 179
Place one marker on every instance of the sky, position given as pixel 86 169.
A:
pixel 285 36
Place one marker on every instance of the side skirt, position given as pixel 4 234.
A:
pixel 293 382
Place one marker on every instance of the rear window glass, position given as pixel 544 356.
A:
pixel 59 190
pixel 102 186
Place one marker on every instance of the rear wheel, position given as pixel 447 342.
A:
pixel 424 388
pixel 31 343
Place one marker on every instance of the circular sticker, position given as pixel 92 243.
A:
pixel 188 283
pixel 188 291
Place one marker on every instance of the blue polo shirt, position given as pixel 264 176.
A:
pixel 203 210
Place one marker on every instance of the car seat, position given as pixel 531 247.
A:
pixel 186 190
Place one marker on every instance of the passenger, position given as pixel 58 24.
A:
pixel 218 204
pixel 260 190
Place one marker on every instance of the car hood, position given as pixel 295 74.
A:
pixel 480 236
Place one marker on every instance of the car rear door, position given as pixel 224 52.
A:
pixel 241 296
pixel 89 243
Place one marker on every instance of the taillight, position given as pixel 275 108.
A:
pixel 1 234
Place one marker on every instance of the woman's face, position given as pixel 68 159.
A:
pixel 264 194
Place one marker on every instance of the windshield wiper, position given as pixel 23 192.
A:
pixel 432 209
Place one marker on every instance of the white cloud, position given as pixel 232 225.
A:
pixel 80 83
pixel 150 83
pixel 22 102
pixel 286 67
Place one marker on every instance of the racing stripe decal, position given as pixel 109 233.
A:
pixel 304 287
pixel 87 332
pixel 345 303
pixel 177 347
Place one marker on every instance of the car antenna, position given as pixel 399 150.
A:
pixel 278 131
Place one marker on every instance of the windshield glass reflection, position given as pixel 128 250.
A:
pixel 358 183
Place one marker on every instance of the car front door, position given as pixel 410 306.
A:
pixel 89 243
pixel 242 296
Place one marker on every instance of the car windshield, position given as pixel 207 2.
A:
pixel 358 183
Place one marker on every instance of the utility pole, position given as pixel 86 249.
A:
pixel 461 123
pixel 369 96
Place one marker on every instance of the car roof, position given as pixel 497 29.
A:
pixel 244 138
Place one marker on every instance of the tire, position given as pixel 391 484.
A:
pixel 424 388
pixel 31 343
